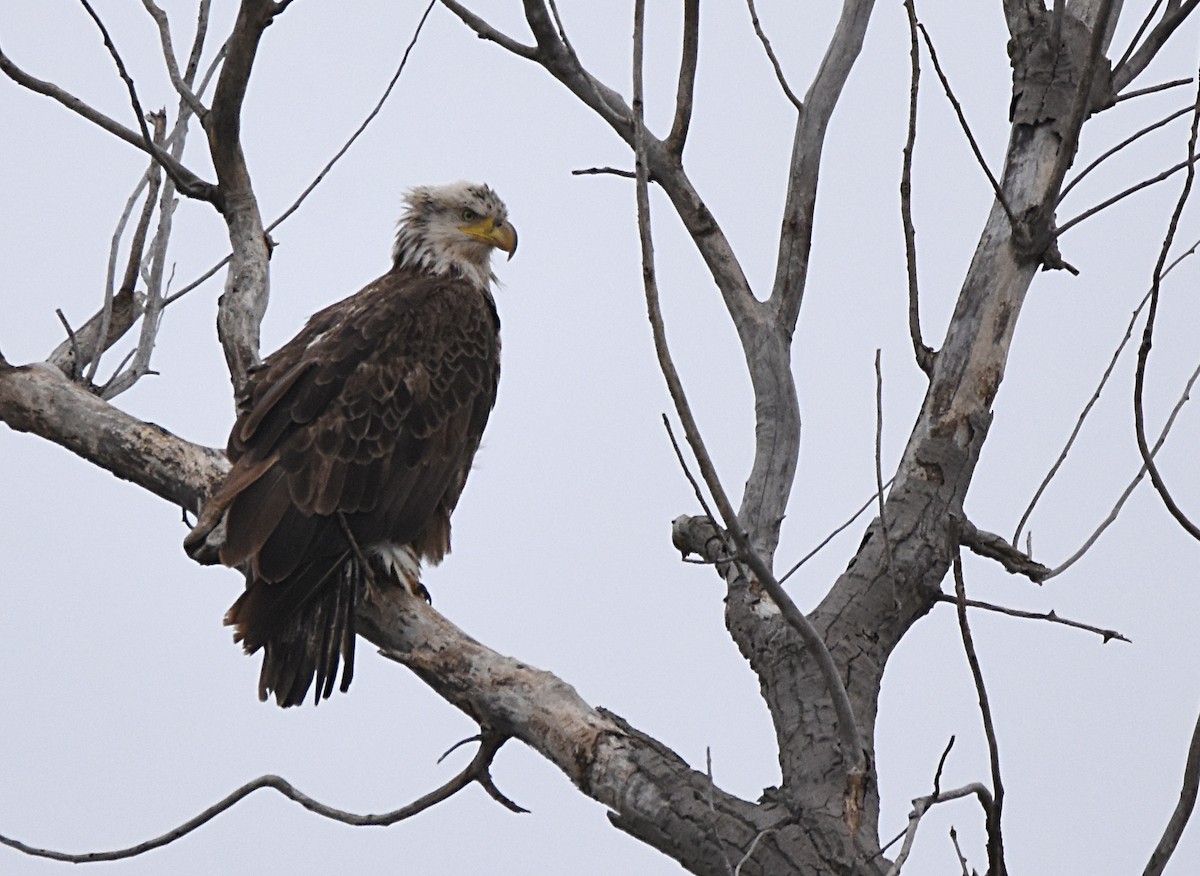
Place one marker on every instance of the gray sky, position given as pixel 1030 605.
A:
pixel 128 709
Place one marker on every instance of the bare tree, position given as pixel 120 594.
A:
pixel 820 673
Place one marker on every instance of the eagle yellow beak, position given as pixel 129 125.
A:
pixel 501 234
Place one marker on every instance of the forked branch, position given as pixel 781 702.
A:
pixel 477 771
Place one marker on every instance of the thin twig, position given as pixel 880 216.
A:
pixel 853 749
pixel 962 861
pixel 1095 398
pixel 189 184
pixel 1127 71
pixel 923 804
pixel 686 471
pixel 478 770
pixel 1081 106
pixel 136 248
pixel 308 190
pixel 766 44
pixel 609 171
pixel 827 539
pixel 996 864
pixel 887 541
pixel 1120 196
pixel 358 131
pixel 1137 479
pixel 1139 380
pixel 74 375
pixel 922 352
pixel 737 871
pixel 486 32
pixel 1137 35
pixel 1152 89
pixel 937 774
pixel 171 167
pixel 1048 616
pixel 1114 150
pixel 962 121
pixel 712 808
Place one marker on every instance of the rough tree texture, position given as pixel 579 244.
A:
pixel 651 792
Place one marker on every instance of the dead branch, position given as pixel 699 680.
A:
pixel 883 527
pixel 962 861
pixel 922 352
pixel 40 399
pixel 126 310
pixel 795 239
pixel 1137 479
pixel 242 307
pixel 345 147
pixel 827 539
pixel 189 184
pixel 685 90
pixel 486 32
pixel 766 44
pixel 320 177
pixel 996 863
pixel 164 35
pixel 921 805
pixel 1049 616
pixel 962 122
pixel 1137 36
pixel 1152 89
pixel 686 471
pixel 136 249
pixel 151 146
pixel 992 546
pixel 1115 149
pixel 1120 196
pixel 1087 408
pixel 1138 61
pixel 854 749
pixel 1183 810
pixel 1139 380
pixel 477 771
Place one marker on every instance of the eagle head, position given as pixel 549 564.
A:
pixel 452 229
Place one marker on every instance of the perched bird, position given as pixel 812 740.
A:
pixel 353 442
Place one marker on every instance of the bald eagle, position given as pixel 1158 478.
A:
pixel 353 442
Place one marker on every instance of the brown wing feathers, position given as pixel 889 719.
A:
pixel 368 418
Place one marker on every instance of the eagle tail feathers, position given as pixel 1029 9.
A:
pixel 316 634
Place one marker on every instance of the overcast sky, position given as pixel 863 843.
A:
pixel 127 709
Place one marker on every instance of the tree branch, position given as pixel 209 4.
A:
pixel 795 238
pixel 1173 17
pixel 1183 810
pixel 164 34
pixel 1139 381
pixel 478 770
pixel 40 399
pixel 242 307
pixel 766 44
pixel 189 184
pixel 685 91
pixel 855 751
pixel 1049 616
pixel 923 353
pixel 996 863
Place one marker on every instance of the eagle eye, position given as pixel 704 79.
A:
pixel 469 215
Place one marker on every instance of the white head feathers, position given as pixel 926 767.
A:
pixel 452 230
